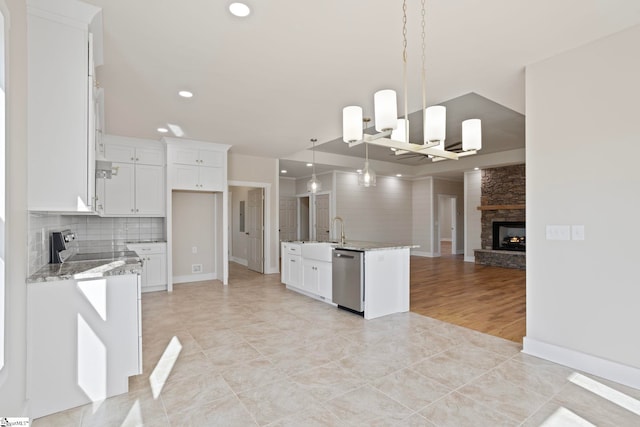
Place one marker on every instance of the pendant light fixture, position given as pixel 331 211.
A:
pixel 394 133
pixel 313 185
pixel 366 178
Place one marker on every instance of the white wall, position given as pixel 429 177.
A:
pixel 582 161
pixel 379 214
pixel 472 217
pixel 250 169
pixel 194 225
pixel 287 187
pixel 423 216
pixel 13 375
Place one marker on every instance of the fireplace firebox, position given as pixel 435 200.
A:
pixel 509 235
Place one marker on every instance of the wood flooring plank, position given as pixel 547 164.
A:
pixel 484 298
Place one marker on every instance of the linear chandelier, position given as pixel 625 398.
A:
pixel 393 132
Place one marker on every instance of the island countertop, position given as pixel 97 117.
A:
pixel 358 245
pixel 79 270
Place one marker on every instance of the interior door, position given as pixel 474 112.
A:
pixel 322 217
pixel 255 213
pixel 288 215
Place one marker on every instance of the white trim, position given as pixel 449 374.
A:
pixel 424 254
pixel 195 278
pixel 445 239
pixel 469 259
pixel 239 261
pixel 267 222
pixel 608 369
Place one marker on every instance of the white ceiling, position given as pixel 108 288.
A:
pixel 268 83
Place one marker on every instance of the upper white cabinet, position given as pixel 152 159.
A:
pixel 63 48
pixel 198 166
pixel 137 184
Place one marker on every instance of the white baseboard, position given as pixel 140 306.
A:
pixel 604 368
pixel 470 259
pixel 275 270
pixel 194 278
pixel 239 260
pixel 445 239
pixel 424 254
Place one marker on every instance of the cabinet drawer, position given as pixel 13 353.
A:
pixel 292 249
pixel 148 248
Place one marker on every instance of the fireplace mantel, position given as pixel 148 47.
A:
pixel 500 207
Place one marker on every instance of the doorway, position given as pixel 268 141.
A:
pixel 247 227
pixel 447 225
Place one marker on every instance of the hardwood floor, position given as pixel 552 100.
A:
pixel 487 299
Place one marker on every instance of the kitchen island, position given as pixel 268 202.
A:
pixel 307 268
pixel 84 331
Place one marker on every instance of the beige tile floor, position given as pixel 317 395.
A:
pixel 254 353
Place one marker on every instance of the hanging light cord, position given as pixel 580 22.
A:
pixel 404 68
pixel 313 153
pixel 424 60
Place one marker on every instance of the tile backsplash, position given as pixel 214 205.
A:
pixel 90 231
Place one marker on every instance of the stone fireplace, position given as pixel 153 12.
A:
pixel 503 234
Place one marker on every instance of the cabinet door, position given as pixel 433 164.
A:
pixel 211 179
pixel 155 266
pixel 57 117
pixel 119 197
pixel 119 153
pixel 310 276
pixel 185 177
pixel 149 156
pixel 186 156
pixel 149 189
pixel 211 158
pixel 295 272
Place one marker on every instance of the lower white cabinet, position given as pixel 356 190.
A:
pixel 307 267
pixel 154 265
pixel 316 276
pixel 83 341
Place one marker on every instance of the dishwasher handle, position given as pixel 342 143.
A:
pixel 344 256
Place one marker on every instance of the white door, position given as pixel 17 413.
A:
pixel 254 229
pixel 322 217
pixel 288 223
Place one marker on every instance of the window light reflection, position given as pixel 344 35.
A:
pixel 612 395
pixel 161 372
pixel 92 361
pixel 565 418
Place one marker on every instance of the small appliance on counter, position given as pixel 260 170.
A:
pixel 59 246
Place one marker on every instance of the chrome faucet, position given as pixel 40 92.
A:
pixel 342 238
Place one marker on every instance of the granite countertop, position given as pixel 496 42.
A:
pixel 79 270
pixel 356 245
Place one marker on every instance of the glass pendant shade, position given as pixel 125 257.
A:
pixel 368 176
pixel 352 123
pixel 435 125
pixel 471 135
pixel 385 108
pixel 401 133
pixel 313 185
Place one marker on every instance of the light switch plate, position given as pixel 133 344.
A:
pixel 577 232
pixel 558 232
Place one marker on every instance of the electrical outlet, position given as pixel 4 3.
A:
pixel 558 232
pixel 196 268
pixel 194 250
pixel 577 232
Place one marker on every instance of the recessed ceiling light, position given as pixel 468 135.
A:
pixel 359 170
pixel 162 130
pixel 309 165
pixel 283 171
pixel 185 94
pixel 476 169
pixel 239 9
pixel 398 175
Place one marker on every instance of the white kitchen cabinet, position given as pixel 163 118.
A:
pixel 60 105
pixel 154 265
pixel 198 169
pixel 317 277
pixel 291 271
pixel 137 186
pixel 83 341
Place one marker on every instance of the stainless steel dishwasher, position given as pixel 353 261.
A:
pixel 348 279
